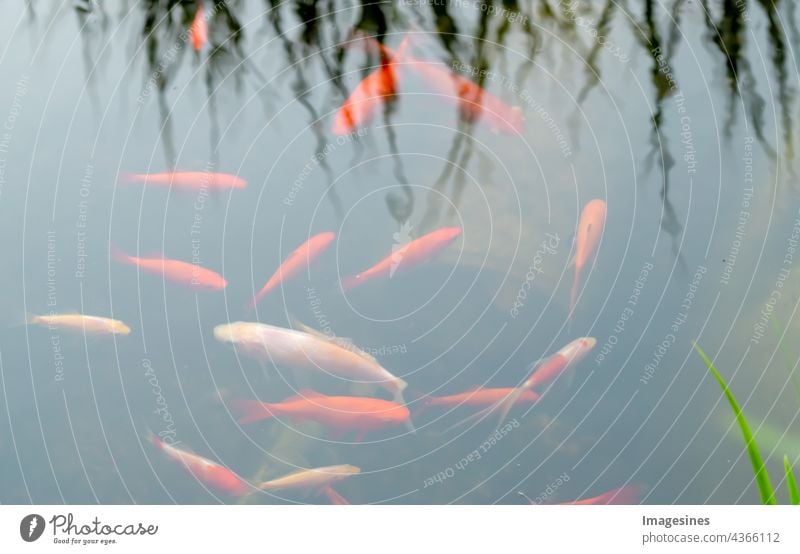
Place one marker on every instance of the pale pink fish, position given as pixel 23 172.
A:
pixel 587 238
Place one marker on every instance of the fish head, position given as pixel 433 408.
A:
pixel 577 349
pixel 229 332
pixel 395 416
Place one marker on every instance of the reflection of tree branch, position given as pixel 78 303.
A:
pixel 592 70
pixel 728 36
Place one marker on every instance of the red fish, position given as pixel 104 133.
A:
pixel 474 101
pixel 297 261
pixel 209 473
pixel 192 181
pixel 338 413
pixel 373 91
pixel 408 255
pixel 628 494
pixel 180 272
pixel 198 32
pixel 546 372
pixel 478 398
pixel 590 230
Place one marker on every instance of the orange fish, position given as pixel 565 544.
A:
pixel 479 397
pixel 546 372
pixel 628 494
pixel 474 101
pixel 209 473
pixel 373 91
pixel 297 261
pixel 587 237
pixel 198 32
pixel 408 255
pixel 180 272
pixel 191 181
pixel 570 355
pixel 338 413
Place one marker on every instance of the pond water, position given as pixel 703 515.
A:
pixel 679 115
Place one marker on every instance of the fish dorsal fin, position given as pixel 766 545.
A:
pixel 305 394
pixel 348 344
pixel 300 326
pixel 342 342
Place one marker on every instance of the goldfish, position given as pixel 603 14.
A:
pixel 301 258
pixel 546 372
pixel 314 481
pixel 198 31
pixel 587 237
pixel 339 413
pixel 209 473
pixel 190 181
pixel 569 356
pixel 479 397
pixel 180 272
pixel 474 101
pixel 408 255
pixel 89 324
pixel 372 91
pixel 307 351
pixel 628 494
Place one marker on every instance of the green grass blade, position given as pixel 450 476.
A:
pixel 759 469
pixel 794 494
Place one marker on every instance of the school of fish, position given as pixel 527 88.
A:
pixel 325 360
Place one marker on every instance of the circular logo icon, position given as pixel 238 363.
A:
pixel 31 527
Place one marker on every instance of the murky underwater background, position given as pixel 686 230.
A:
pixel 681 115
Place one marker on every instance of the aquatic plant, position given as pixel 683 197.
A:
pixel 759 468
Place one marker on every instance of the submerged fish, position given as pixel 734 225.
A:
pixel 587 237
pixel 180 272
pixel 300 259
pixel 89 324
pixel 192 181
pixel 372 91
pixel 198 31
pixel 406 256
pixel 309 352
pixel 209 473
pixel 339 413
pixel 480 397
pixel 550 368
pixel 474 101
pixel 628 494
pixel 314 481
pixel 545 373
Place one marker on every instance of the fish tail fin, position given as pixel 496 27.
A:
pixel 251 305
pixel 251 411
pixel 26 318
pixel 398 397
pixel 474 418
pixel 505 405
pixel 334 497
pixel 349 283
pixel 127 178
pixel 119 256
pixel 573 296
pixel 400 54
